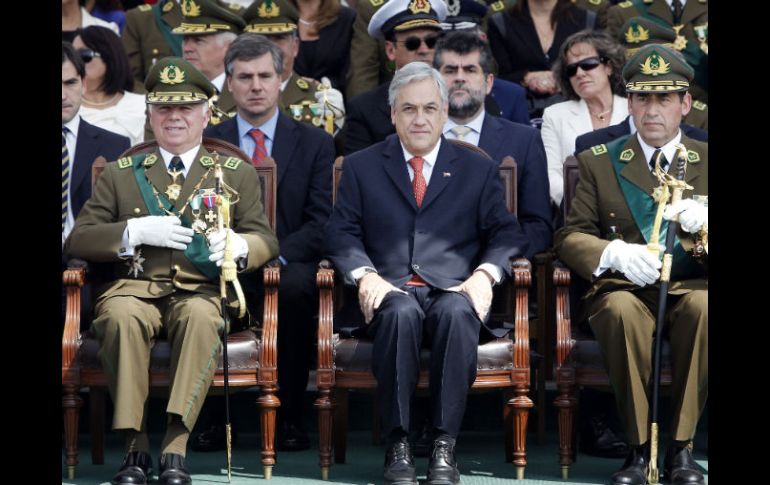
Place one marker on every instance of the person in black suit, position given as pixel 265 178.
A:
pixel 421 227
pixel 465 63
pixel 305 156
pixel 605 135
pixel 82 142
pixel 408 37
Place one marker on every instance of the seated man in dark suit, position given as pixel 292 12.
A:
pixel 421 227
pixel 305 157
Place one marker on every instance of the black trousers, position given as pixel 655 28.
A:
pixel 446 323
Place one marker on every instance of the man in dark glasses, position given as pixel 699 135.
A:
pixel 411 29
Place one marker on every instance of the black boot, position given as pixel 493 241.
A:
pixel 680 467
pixel 442 468
pixel 173 471
pixel 213 438
pixel 136 467
pixel 634 471
pixel 399 464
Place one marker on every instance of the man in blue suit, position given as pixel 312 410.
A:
pixel 421 227
pixel 465 62
pixel 82 142
pixel 305 156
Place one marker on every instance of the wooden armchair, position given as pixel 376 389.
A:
pixel 578 355
pixel 345 363
pixel 252 353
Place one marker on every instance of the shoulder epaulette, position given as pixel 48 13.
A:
pixel 498 6
pixel 232 163
pixel 699 105
pixel 125 162
pixel 302 84
pixel 599 149
pixel 376 3
pixel 144 7
pixel 206 161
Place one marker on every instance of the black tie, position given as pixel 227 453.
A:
pixel 176 165
pixel 677 4
pixel 663 161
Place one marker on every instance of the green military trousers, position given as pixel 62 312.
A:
pixel 127 326
pixel 624 325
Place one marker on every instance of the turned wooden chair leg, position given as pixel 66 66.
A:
pixel 340 425
pixel 566 403
pixel 268 405
pixel 508 425
pixel 71 403
pixel 521 404
pixel 96 400
pixel 326 423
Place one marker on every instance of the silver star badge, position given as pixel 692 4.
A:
pixel 135 265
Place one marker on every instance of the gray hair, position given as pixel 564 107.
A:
pixel 413 72
pixel 223 38
pixel 250 46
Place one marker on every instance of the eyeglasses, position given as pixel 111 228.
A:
pixel 586 64
pixel 412 43
pixel 88 54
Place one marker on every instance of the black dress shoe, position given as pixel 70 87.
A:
pixel 291 438
pixel 598 439
pixel 680 467
pixel 634 471
pixel 136 467
pixel 213 439
pixel 399 464
pixel 442 468
pixel 173 471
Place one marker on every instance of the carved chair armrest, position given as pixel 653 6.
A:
pixel 521 269
pixel 325 282
pixel 73 278
pixel 564 341
pixel 268 355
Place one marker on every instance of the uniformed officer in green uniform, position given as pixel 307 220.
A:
pixel 302 98
pixel 605 242
pixel 147 37
pixel 688 19
pixel 153 217
pixel 637 32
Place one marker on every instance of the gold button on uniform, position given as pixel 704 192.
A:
pixel 137 210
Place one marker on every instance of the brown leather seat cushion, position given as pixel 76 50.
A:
pixel 242 352
pixel 355 355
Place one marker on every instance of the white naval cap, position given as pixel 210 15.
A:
pixel 403 15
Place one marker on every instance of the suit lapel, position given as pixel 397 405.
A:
pixel 283 145
pixel 442 173
pixel 578 116
pixel 491 137
pixel 395 166
pixel 158 175
pixel 636 170
pixel 694 170
pixel 85 153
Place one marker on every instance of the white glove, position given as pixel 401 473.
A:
pixel 372 289
pixel 161 231
pixel 238 246
pixel 331 102
pixel 479 289
pixel 692 215
pixel 635 261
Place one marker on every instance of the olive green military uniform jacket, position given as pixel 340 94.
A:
pixel 143 40
pixel 297 90
pixel 600 203
pixel 99 228
pixel 695 13
pixel 368 62
pixel 698 115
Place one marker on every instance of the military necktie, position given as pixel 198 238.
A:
pixel 677 6
pixel 176 165
pixel 65 177
pixel 260 150
pixel 663 161
pixel 418 182
pixel 460 131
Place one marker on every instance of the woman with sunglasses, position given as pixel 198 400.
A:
pixel 107 101
pixel 588 73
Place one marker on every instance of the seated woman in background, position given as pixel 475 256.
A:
pixel 107 101
pixel 588 73
pixel 325 32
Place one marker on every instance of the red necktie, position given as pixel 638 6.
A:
pixel 418 182
pixel 260 152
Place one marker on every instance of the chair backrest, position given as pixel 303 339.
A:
pixel 571 175
pixel 267 172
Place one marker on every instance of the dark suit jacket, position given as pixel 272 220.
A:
pixel 512 101
pixel 329 55
pixel 462 223
pixel 305 158
pixel 500 137
pixel 604 135
pixel 92 142
pixel 368 119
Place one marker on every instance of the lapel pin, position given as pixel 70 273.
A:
pixel 446 174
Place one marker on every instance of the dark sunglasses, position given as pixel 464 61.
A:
pixel 586 64
pixel 88 54
pixel 412 43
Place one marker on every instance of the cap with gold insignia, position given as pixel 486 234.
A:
pixel 464 14
pixel 271 17
pixel 402 15
pixel 202 17
pixel 172 80
pixel 640 31
pixel 656 68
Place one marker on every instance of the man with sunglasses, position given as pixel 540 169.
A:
pixel 605 241
pixel 410 29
